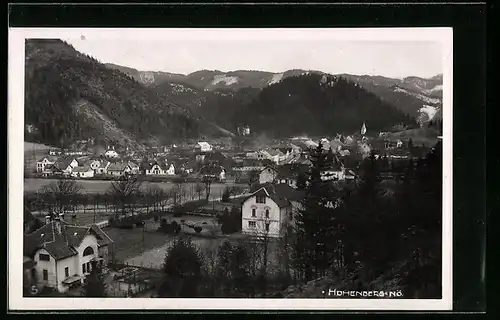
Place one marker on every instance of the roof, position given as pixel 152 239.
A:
pixel 49 158
pixel 82 169
pixel 273 152
pixel 281 193
pixel 204 144
pixel 150 165
pixel 117 166
pixel 63 162
pixel 291 170
pixel 133 164
pixel 61 244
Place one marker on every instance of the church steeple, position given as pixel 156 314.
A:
pixel 363 129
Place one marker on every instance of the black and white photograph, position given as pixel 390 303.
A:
pixel 244 168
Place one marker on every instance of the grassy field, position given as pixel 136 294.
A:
pixel 97 186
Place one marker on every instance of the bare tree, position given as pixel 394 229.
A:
pixel 198 188
pixel 252 177
pixel 124 192
pixel 61 193
pixel 207 182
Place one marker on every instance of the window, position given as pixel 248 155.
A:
pixel 89 267
pixel 83 268
pixel 253 212
pixel 267 227
pixel 260 199
pixel 66 272
pixel 44 257
pixel 251 224
pixel 88 251
pixel 267 213
pixel 45 275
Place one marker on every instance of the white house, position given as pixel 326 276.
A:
pixel 155 168
pixel 63 254
pixel 118 169
pixel 99 166
pixel 269 209
pixel 335 171
pixel 204 146
pixel 170 170
pixel 42 163
pixel 111 154
pixel 82 172
pixel 66 164
pixel 134 167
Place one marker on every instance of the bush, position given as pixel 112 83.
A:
pixel 197 229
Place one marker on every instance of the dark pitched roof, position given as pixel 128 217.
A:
pixel 62 244
pixel 63 162
pixel 281 193
pixel 291 170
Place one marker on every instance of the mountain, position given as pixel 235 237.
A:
pixel 314 104
pixel 71 96
pixel 416 96
pixel 148 78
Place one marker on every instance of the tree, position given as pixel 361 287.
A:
pixel 223 269
pixel 252 177
pixel 182 270
pixel 124 192
pixel 239 266
pixel 95 284
pixel 226 195
pixel 198 188
pixel 60 193
pixel 207 182
pixel 315 224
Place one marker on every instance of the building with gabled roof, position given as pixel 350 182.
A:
pixel 269 209
pixel 62 255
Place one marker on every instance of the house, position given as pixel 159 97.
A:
pixel 155 168
pixel 284 174
pixel 42 163
pixel 269 209
pixel 203 147
pixel 274 155
pixel 66 164
pixel 335 171
pixel 55 152
pixel 118 169
pixel 213 171
pixel 134 167
pixel 111 154
pixel 61 255
pixel 99 166
pixel 82 172
pixel 249 165
pixel 73 153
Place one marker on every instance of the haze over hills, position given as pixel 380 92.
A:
pixel 72 96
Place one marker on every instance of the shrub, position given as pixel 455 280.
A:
pixel 197 229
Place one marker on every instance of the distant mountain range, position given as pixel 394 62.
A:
pixel 418 97
pixel 71 96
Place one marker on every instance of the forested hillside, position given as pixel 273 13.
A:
pixel 317 105
pixel 71 96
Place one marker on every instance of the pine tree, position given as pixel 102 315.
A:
pixel 95 284
pixel 315 224
pixel 182 269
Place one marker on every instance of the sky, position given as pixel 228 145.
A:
pixel 396 59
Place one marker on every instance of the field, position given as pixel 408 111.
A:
pixel 101 186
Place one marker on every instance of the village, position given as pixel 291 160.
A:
pixel 258 197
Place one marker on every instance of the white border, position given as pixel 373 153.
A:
pixel 17 37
